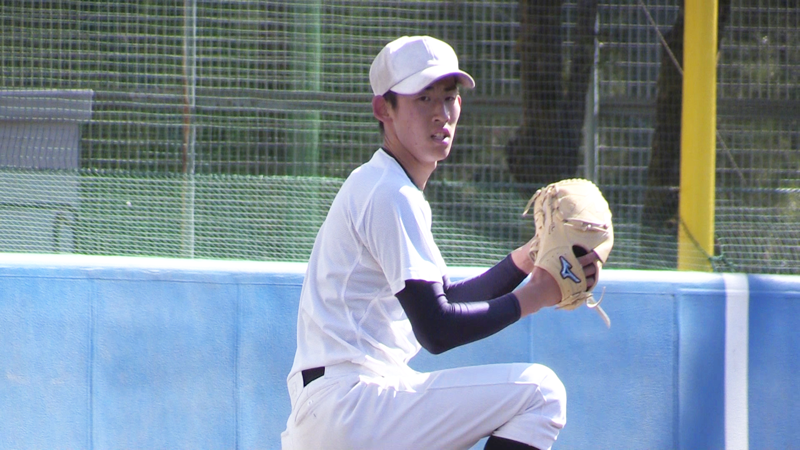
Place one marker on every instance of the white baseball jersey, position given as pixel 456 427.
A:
pixel 376 236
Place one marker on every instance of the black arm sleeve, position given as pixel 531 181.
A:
pixel 498 280
pixel 440 325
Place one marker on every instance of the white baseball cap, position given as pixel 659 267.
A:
pixel 409 64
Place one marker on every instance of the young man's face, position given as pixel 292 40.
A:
pixel 425 122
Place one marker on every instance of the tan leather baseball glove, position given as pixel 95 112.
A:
pixel 572 218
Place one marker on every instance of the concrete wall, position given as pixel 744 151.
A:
pixel 156 353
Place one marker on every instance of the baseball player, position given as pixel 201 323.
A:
pixel 376 291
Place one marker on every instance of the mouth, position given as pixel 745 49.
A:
pixel 442 136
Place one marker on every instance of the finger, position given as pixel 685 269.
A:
pixel 589 258
pixel 591 280
pixel 590 269
pixel 590 264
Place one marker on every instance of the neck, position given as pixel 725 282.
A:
pixel 417 173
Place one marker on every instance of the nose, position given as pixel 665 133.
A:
pixel 441 111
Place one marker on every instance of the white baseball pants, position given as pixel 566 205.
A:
pixel 352 408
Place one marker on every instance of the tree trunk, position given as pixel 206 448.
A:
pixel 546 147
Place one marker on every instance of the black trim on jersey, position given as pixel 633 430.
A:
pixel 386 150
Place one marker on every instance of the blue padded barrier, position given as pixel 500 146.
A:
pixel 774 362
pixel 144 353
pixel 100 352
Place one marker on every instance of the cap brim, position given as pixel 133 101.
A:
pixel 420 80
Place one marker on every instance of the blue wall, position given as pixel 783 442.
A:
pixel 155 353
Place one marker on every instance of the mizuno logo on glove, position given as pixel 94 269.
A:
pixel 566 271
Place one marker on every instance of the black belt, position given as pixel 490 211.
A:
pixel 310 375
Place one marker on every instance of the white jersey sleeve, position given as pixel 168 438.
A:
pixel 397 232
pixel 377 235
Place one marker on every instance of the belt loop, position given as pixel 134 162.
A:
pixel 295 385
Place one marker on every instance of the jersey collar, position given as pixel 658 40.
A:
pixel 386 150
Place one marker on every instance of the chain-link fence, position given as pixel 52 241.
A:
pixel 223 129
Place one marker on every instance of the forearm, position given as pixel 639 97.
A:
pixel 500 279
pixel 440 324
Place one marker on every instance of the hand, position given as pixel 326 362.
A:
pixel 522 258
pixel 591 268
pixel 543 291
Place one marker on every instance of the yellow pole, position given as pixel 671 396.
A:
pixel 698 136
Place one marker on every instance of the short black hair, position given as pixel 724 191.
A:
pixel 391 97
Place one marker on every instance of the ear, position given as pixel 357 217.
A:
pixel 380 109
